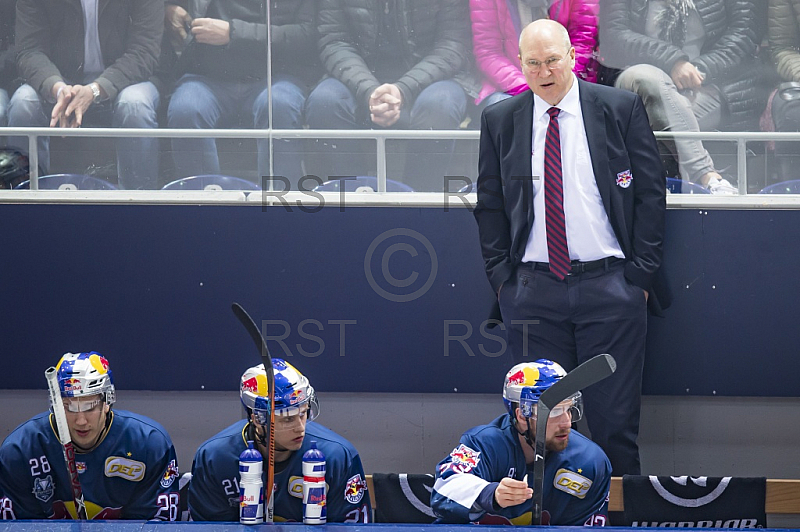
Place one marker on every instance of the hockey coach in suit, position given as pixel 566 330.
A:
pixel 570 212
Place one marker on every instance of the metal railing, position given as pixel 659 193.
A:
pixel 741 140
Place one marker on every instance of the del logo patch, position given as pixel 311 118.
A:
pixel 572 483
pixel 355 488
pixel 116 466
pixel 624 179
pixel 170 474
pixel 43 488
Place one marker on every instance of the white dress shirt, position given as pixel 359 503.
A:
pixel 589 233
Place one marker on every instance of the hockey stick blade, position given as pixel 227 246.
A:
pixel 66 442
pixel 266 359
pixel 590 372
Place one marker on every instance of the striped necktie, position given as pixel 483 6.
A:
pixel 557 250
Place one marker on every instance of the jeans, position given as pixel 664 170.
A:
pixel 669 109
pixel 441 105
pixel 201 102
pixel 134 107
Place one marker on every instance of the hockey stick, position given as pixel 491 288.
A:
pixel 266 358
pixel 66 442
pixel 590 372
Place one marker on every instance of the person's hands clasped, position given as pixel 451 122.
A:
pixel 72 101
pixel 686 76
pixel 511 492
pixel 177 20
pixel 211 31
pixel 385 103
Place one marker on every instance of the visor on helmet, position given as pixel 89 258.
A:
pixel 85 404
pixel 529 404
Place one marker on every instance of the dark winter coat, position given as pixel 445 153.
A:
pixel 728 58
pixel 50 42
pixel 436 35
pixel 293 33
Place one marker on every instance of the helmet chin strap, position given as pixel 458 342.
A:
pixel 528 433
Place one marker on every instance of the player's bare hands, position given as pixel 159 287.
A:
pixel 511 492
pixel 686 76
pixel 385 103
pixel 177 20
pixel 211 31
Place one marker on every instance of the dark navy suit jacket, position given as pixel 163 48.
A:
pixel 620 140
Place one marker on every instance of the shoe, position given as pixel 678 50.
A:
pixel 722 187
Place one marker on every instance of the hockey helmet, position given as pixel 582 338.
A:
pixel 84 374
pixel 525 383
pixel 14 168
pixel 292 390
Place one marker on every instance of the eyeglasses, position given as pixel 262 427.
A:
pixel 551 64
pixel 76 406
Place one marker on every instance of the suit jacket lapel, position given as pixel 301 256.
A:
pixel 523 134
pixel 594 122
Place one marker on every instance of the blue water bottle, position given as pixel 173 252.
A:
pixel 314 489
pixel 251 486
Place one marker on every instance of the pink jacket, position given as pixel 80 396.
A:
pixel 496 42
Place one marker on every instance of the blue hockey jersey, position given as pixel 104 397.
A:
pixel 130 474
pixel 214 489
pixel 576 480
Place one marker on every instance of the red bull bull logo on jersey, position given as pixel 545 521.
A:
pixel 170 474
pixel 464 458
pixel 355 488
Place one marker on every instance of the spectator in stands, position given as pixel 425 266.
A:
pixel 8 57
pixel 224 77
pixel 214 489
pixel 402 65
pixel 126 463
pixel 488 477
pixel 496 26
pixel 693 64
pixel 784 38
pixel 99 76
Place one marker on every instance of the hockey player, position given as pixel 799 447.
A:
pixel 214 488
pixel 126 463
pixel 487 478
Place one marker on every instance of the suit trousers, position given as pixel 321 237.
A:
pixel 571 320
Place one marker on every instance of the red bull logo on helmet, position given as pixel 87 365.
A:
pixel 355 489
pixel 296 397
pixel 256 384
pixel 71 385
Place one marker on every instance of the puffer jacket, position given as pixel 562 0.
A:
pixel 293 34
pixel 435 33
pixel 784 37
pixel 496 42
pixel 728 57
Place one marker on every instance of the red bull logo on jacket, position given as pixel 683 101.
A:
pixel 624 179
